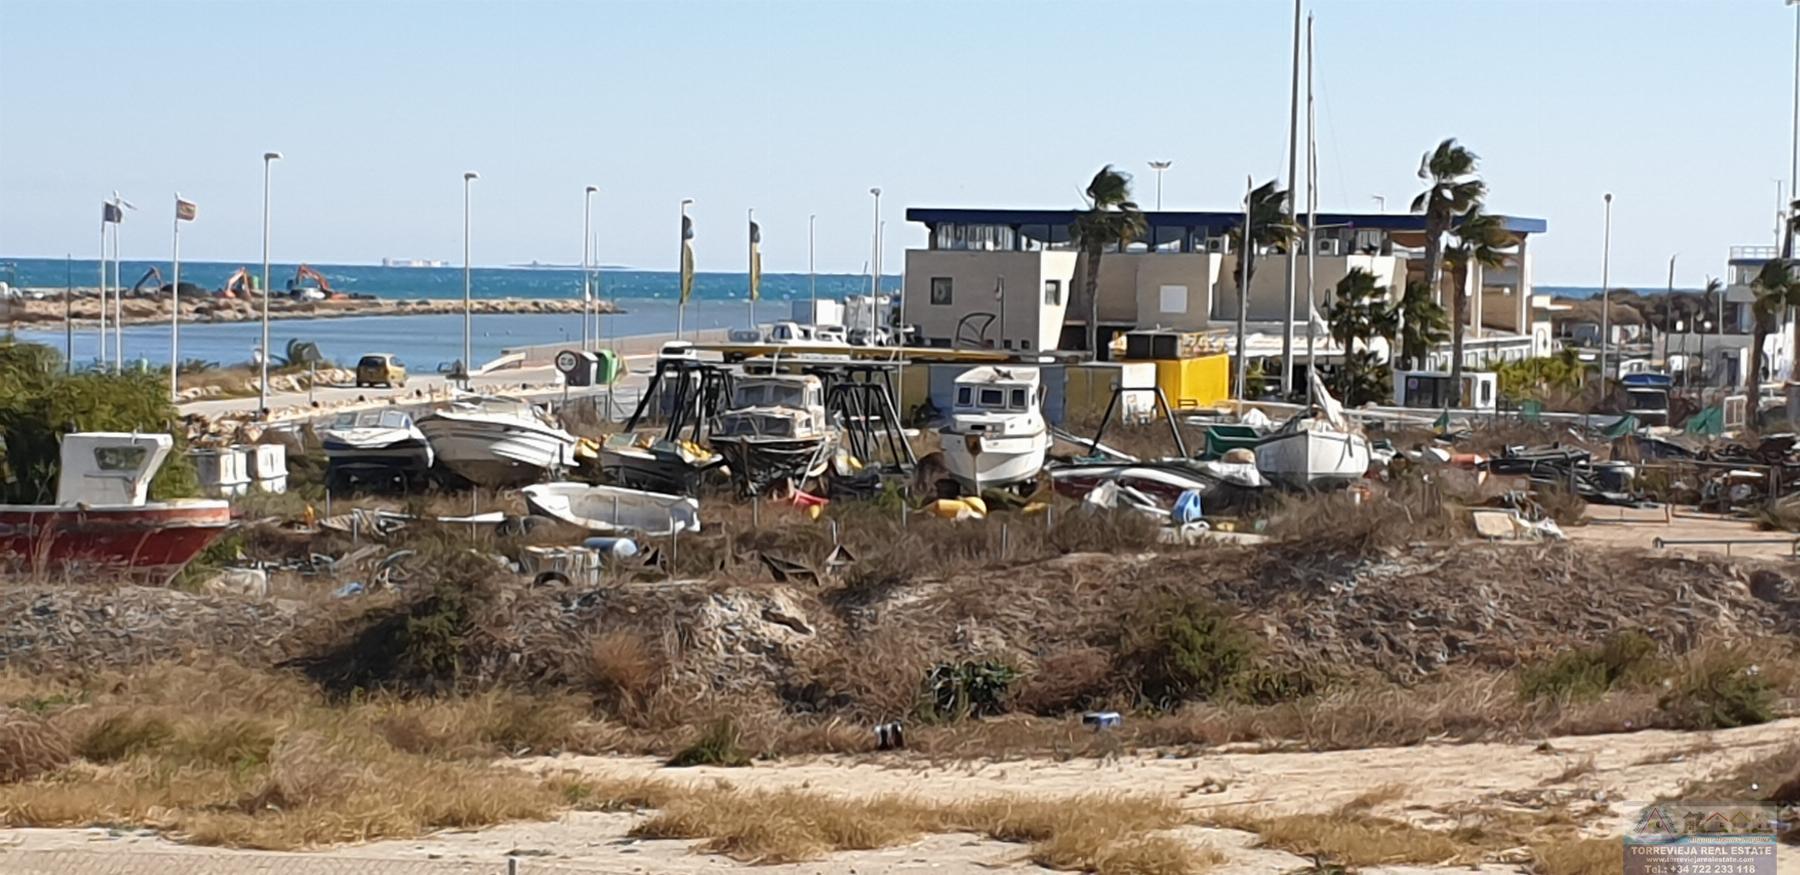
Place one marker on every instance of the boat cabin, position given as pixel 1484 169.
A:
pixel 1647 397
pixel 998 390
pixel 110 468
pixel 778 406
pixel 1430 390
pixel 378 417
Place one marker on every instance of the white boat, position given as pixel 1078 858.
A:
pixel 375 443
pixel 644 461
pixel 776 431
pixel 1317 448
pixel 497 441
pixel 996 435
pixel 608 509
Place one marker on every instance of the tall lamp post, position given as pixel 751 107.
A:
pixel 1605 292
pixel 875 247
pixel 812 278
pixel 587 300
pixel 1159 167
pixel 468 300
pixel 269 159
pixel 1670 297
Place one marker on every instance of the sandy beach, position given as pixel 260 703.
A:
pixel 209 308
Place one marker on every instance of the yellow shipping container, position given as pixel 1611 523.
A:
pixel 1195 383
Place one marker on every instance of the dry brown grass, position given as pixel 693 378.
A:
pixel 1351 838
pixel 1578 857
pixel 625 670
pixel 29 747
pixel 1113 834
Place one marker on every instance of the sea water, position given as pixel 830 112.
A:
pixel 648 300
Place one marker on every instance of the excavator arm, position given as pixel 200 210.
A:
pixel 306 273
pixel 150 274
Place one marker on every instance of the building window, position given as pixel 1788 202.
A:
pixel 1053 292
pixel 1174 299
pixel 940 290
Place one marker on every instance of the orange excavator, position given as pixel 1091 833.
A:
pixel 238 285
pixel 318 289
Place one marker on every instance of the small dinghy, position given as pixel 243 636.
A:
pixel 611 509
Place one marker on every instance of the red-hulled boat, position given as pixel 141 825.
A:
pixel 102 519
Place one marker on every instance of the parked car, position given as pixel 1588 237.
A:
pixel 380 369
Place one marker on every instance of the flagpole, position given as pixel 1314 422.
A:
pixel 118 361
pixel 468 285
pixel 684 280
pixel 750 265
pixel 175 309
pixel 1246 249
pixel 103 224
pixel 263 399
pixel 812 279
pixel 69 316
pixel 1312 215
pixel 1293 207
pixel 587 299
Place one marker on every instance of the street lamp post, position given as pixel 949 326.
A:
pixel 1670 296
pixel 468 367
pixel 269 158
pixel 1605 292
pixel 875 247
pixel 1380 202
pixel 1159 167
pixel 812 278
pixel 588 304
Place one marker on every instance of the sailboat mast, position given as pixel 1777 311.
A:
pixel 1293 292
pixel 1312 213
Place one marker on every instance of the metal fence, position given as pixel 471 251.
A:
pixel 131 861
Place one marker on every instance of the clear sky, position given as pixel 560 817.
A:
pixel 1681 108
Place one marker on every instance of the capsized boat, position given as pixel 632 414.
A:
pixel 642 461
pixel 996 435
pixel 775 431
pixel 609 509
pixel 376 443
pixel 1318 448
pixel 103 517
pixel 497 441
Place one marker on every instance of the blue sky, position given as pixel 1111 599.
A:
pixel 1681 108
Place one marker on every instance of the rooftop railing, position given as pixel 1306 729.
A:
pixel 1753 252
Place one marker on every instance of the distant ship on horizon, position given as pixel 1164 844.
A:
pixel 414 262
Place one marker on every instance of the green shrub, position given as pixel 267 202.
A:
pixel 1718 690
pixel 719 745
pixel 1590 673
pixel 968 689
pixel 1186 650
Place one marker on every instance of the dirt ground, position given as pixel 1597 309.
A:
pixel 1434 784
pixel 1634 528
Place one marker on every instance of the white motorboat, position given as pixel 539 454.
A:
pixel 996 435
pixel 1317 448
pixel 775 431
pixel 608 509
pixel 375 443
pixel 497 441
pixel 644 461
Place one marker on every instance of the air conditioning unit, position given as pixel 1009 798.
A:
pixel 1331 246
pixel 1217 244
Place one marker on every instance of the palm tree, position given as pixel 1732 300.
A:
pixel 1454 190
pixel 1480 239
pixel 1775 288
pixel 1270 228
pixel 1359 312
pixel 1110 218
pixel 1422 323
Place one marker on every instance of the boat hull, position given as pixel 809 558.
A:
pixel 497 454
pixel 611 509
pixel 757 463
pixel 1313 458
pixel 981 461
pixel 150 542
